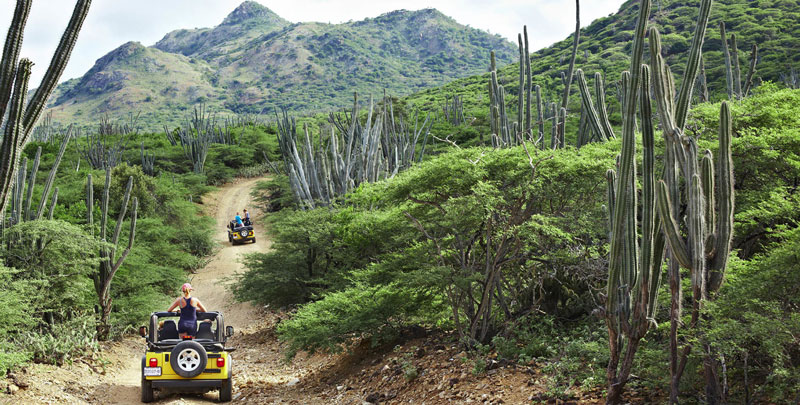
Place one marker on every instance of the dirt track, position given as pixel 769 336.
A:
pixel 209 284
pixel 257 360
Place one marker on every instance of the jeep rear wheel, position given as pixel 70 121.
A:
pixel 147 390
pixel 226 391
pixel 188 359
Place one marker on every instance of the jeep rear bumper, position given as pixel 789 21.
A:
pixel 186 383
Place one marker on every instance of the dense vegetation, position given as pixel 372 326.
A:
pixel 418 249
pixel 50 306
pixel 506 250
pixel 605 47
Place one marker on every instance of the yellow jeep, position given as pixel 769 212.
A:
pixel 240 234
pixel 189 364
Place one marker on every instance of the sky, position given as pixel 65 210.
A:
pixel 111 23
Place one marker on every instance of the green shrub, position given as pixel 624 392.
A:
pixel 62 342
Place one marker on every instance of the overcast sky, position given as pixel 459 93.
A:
pixel 113 22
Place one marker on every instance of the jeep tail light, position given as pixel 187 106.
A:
pixel 220 362
pixel 153 362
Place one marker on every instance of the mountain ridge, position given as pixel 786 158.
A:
pixel 255 61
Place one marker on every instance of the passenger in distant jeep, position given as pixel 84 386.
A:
pixel 247 218
pixel 187 325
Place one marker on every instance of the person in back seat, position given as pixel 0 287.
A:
pixel 247 218
pixel 188 306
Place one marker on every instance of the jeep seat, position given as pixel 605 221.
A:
pixel 168 331
pixel 204 331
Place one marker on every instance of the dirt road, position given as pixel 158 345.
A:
pixel 210 287
pixel 258 358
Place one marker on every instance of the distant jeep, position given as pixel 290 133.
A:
pixel 196 364
pixel 240 234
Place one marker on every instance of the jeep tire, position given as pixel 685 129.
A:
pixel 226 390
pixel 147 391
pixel 188 359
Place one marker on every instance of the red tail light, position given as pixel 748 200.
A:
pixel 220 362
pixel 153 362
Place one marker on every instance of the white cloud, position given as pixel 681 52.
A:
pixel 113 22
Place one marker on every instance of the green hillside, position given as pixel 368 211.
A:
pixel 255 61
pixel 605 47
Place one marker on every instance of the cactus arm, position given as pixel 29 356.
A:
pixel 121 217
pixel 753 61
pixel 661 84
pixel 528 81
pixel 52 175
pixel 57 65
pixel 11 52
pixel 737 72
pixel 591 113
pixel 725 199
pixel 727 55
pixel 104 206
pixel 562 126
pixel 575 40
pixel 696 232
pixel 670 227
pixel 601 104
pixel 90 203
pixel 26 209
pixel 648 191
pixel 692 65
pixel 521 90
pixel 53 204
pixel 611 178
pixel 11 146
pixel 707 176
pixel 540 112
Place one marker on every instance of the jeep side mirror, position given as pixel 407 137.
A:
pixel 143 331
pixel 228 331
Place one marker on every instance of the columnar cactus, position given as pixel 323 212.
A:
pixel 528 82
pixel 355 153
pixel 706 266
pixel 596 117
pixel 148 161
pixel 753 61
pixel 728 65
pixel 14 75
pixel 733 73
pixel 454 112
pixel 21 200
pixel 575 40
pixel 737 72
pixel 540 116
pixel 109 262
pixel 632 273
pixel 48 184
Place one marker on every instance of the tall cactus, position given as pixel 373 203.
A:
pixel 753 62
pixel 632 273
pixel 568 77
pixel 728 63
pixel 14 75
pixel 706 266
pixel 148 161
pixel 109 262
pixel 355 152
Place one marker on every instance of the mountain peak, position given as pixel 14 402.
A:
pixel 251 10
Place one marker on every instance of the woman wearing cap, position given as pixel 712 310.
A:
pixel 188 307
